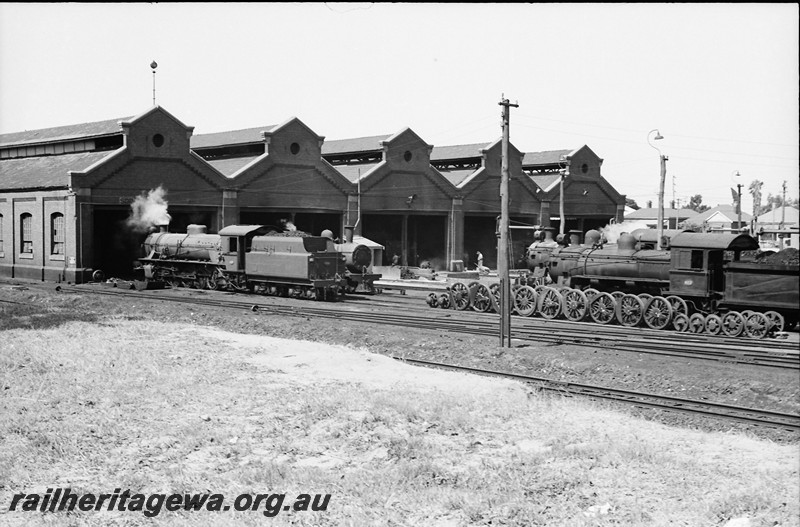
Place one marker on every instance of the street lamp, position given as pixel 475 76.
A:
pixel 663 159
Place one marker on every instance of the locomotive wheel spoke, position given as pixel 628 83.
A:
pixel 629 310
pixel 432 299
pixel 732 324
pixel 678 305
pixel 550 303
pixel 756 325
pixel 645 297
pixel 525 301
pixel 657 312
pixel 776 320
pixel 602 308
pixel 482 300
pixel 460 295
pixel 713 325
pixel 617 296
pixel 575 305
pixel 697 323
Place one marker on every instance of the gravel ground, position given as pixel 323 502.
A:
pixel 741 385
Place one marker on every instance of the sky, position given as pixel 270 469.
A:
pixel 718 81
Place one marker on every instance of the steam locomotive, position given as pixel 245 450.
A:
pixel 699 284
pixel 252 258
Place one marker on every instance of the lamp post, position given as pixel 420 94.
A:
pixel 153 66
pixel 738 202
pixel 663 159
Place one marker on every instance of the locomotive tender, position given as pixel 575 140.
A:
pixel 700 283
pixel 252 258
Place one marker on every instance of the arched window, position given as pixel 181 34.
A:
pixel 57 238
pixel 26 233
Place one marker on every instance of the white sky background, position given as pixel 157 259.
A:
pixel 720 81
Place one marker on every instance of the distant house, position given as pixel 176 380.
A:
pixel 776 218
pixel 672 217
pixel 722 218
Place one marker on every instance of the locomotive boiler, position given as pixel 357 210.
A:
pixel 252 258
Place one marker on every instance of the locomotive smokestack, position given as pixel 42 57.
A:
pixel 164 227
pixel 348 233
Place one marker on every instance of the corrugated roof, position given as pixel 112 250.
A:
pixel 230 166
pixel 231 137
pixel 63 133
pixel 549 157
pixel 352 172
pixel 45 171
pixel 456 177
pixel 357 144
pixel 440 153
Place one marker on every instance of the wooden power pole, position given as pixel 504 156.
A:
pixel 502 248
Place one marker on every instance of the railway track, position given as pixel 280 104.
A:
pixel 775 354
pixel 777 420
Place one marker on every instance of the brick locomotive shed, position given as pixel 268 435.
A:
pixel 66 192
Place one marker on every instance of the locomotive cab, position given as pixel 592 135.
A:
pixel 236 241
pixel 698 261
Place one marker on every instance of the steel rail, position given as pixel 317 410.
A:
pixel 477 326
pixel 790 422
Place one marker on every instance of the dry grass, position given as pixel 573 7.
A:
pixel 168 408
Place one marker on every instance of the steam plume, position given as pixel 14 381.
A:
pixel 613 231
pixel 148 211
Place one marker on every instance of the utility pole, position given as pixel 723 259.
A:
pixel 502 249
pixel 660 227
pixel 672 206
pixel 783 206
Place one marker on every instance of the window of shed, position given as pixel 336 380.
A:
pixel 26 233
pixel 407 155
pixel 57 238
pixel 584 168
pixel 158 140
pixel 294 148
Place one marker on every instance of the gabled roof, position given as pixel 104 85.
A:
pixel 357 144
pixel 46 171
pixel 725 213
pixel 231 137
pixel 651 213
pixel 545 181
pixel 456 177
pixel 63 133
pixel 789 216
pixel 549 157
pixel 230 166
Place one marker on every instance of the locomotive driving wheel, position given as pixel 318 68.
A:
pixel 679 306
pixel 657 312
pixel 576 305
pixel 776 320
pixel 460 296
pixel 482 300
pixel 602 308
pixel 525 300
pixel 550 303
pixel 629 310
pixel 756 325
pixel 732 324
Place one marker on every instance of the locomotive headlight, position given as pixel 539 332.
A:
pixel 310 258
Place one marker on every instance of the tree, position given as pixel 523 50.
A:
pixel 631 203
pixel 755 191
pixel 696 204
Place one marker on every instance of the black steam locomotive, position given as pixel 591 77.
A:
pixel 252 258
